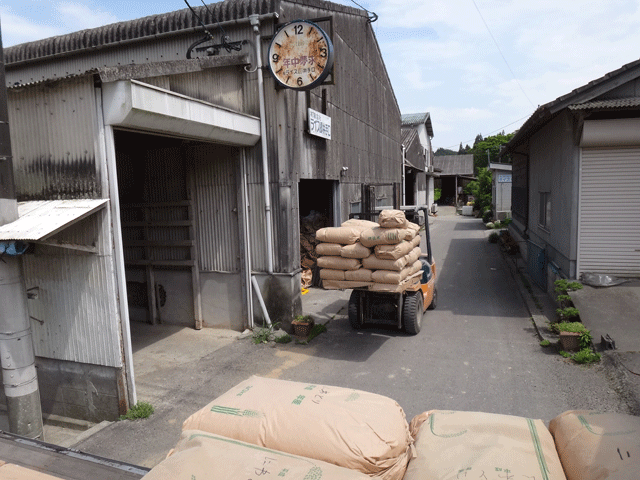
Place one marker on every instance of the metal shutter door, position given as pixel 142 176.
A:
pixel 609 225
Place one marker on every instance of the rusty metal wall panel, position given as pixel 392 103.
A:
pixel 75 315
pixel 215 178
pixel 53 131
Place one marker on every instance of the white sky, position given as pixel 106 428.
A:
pixel 440 55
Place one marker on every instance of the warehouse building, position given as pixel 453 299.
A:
pixel 167 169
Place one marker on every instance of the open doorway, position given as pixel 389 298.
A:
pixel 317 206
pixel 157 228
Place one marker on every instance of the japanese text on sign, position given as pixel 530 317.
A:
pixel 319 124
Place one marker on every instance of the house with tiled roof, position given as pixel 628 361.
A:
pixel 576 181
pixel 417 166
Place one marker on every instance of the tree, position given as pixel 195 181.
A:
pixel 481 190
pixel 444 151
pixel 488 149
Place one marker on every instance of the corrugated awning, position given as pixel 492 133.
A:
pixel 39 220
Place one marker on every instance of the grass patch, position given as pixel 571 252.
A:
pixel 545 343
pixel 138 411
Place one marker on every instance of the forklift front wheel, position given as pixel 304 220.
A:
pixel 355 313
pixel 412 312
pixel 434 300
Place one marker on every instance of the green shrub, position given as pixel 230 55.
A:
pixel 586 355
pixel 585 339
pixel 563 286
pixel 567 313
pixel 139 410
pixel 437 193
pixel 487 216
pixel 545 343
pixel 574 327
pixel 494 237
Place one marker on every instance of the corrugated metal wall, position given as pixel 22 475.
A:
pixel 609 224
pixel 73 314
pixel 53 130
pixel 216 170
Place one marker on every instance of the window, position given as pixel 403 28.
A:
pixel 544 219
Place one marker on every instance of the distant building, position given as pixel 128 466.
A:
pixel 455 172
pixel 500 190
pixel 418 170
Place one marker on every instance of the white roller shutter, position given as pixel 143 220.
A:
pixel 609 224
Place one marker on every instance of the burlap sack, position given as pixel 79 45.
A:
pixel 10 471
pixel 360 275
pixel 339 263
pixel 357 250
pixel 347 284
pixel 413 255
pixel 394 252
pixel 386 276
pixel 332 249
pixel 452 445
pixel 350 428
pixel 329 274
pixel 594 445
pixel 205 456
pixel 359 223
pixel 413 226
pixel 392 219
pixel 374 263
pixel 385 236
pixel 410 281
pixel 341 235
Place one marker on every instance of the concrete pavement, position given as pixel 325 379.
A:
pixel 608 310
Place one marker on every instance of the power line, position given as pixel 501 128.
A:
pixel 489 134
pixel 501 54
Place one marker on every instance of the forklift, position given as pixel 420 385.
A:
pixel 406 307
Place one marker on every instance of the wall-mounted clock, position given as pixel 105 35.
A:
pixel 300 55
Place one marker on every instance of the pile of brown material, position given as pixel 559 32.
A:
pixel 381 256
pixel 309 225
pixel 482 445
pixel 350 428
pixel 205 456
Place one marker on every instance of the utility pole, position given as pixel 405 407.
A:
pixel 17 358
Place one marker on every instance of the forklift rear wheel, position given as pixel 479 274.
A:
pixel 412 312
pixel 355 314
pixel 434 300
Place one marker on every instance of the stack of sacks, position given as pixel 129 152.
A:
pixel 594 445
pixel 340 255
pixel 451 445
pixel 353 429
pixel 205 456
pixel 396 243
pixel 10 471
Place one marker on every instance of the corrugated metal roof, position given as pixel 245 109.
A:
pixel 604 104
pixel 408 135
pixel 454 164
pixel 153 26
pixel 143 27
pixel 40 219
pixel 415 119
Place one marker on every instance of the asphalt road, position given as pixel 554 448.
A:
pixel 478 351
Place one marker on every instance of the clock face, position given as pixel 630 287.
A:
pixel 300 55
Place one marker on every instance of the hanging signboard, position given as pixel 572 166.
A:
pixel 319 124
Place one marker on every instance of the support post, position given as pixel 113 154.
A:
pixel 17 358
